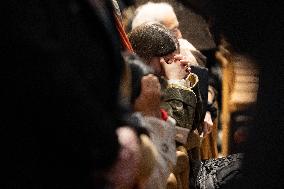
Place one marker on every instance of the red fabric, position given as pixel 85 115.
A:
pixel 164 114
pixel 123 37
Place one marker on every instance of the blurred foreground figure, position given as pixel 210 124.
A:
pixel 255 28
pixel 60 88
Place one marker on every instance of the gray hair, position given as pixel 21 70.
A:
pixel 150 12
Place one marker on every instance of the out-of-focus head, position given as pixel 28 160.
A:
pixel 162 13
pixel 137 70
pixel 151 41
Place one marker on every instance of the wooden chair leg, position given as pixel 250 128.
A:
pixel 172 182
pixel 181 170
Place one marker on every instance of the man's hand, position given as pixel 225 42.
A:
pixel 175 69
pixel 148 102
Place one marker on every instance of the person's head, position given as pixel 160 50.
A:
pixel 152 41
pixel 162 13
pixel 194 56
pixel 186 49
pixel 137 70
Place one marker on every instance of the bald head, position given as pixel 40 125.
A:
pixel 162 13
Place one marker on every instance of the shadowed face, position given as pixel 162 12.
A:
pixel 155 63
pixel 171 22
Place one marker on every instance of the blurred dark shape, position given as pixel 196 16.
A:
pixel 202 74
pixel 255 28
pixel 59 78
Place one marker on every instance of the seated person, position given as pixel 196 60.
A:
pixel 164 14
pixel 145 102
pixel 160 50
pixel 212 173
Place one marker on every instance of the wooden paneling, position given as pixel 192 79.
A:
pixel 239 92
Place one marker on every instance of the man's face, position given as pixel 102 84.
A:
pixel 172 24
pixel 170 57
pixel 155 63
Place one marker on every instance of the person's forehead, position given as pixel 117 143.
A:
pixel 170 21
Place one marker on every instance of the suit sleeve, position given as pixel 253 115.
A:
pixel 180 104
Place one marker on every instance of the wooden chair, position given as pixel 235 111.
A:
pixel 179 179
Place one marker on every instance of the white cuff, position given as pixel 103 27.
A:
pixel 176 82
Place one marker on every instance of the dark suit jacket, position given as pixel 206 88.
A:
pixel 202 74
